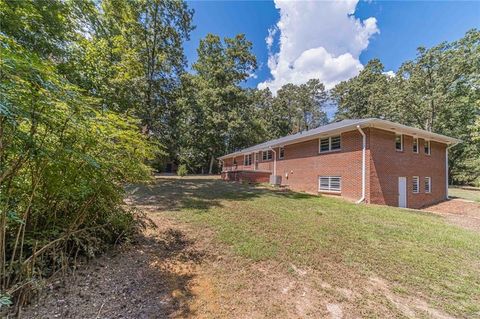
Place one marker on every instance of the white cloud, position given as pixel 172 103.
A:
pixel 390 74
pixel 318 39
pixel 271 37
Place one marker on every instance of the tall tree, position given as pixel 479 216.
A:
pixel 305 103
pixel 366 95
pixel 217 109
pixel 132 60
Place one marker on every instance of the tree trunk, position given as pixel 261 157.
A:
pixel 212 161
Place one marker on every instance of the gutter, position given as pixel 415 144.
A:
pixel 274 161
pixel 364 169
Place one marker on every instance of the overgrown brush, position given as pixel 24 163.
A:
pixel 63 164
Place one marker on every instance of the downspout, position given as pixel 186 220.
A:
pixel 446 168
pixel 364 169
pixel 274 162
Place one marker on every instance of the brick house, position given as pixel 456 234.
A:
pixel 367 160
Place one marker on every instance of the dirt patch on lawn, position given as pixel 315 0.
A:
pixel 460 212
pixel 157 277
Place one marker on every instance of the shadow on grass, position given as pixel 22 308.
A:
pixel 151 279
pixel 174 194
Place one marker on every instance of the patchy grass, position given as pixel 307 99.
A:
pixel 418 254
pixel 470 193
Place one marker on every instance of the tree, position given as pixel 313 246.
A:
pixel 132 62
pixel 366 95
pixel 304 103
pixel 216 108
pixel 44 27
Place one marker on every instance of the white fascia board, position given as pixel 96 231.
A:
pixel 413 131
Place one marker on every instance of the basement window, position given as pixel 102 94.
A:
pixel 267 155
pixel 281 153
pixel 427 147
pixel 331 143
pixel 330 184
pixel 416 186
pixel 247 160
pixel 415 145
pixel 399 142
pixel 428 184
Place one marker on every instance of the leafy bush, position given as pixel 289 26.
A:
pixel 64 162
pixel 182 170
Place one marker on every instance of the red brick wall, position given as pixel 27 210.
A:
pixel 303 164
pixel 246 176
pixel 387 164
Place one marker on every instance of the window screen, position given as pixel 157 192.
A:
pixel 428 185
pixel 330 183
pixel 330 143
pixel 415 184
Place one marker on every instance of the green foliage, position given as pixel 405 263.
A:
pixel 216 113
pixel 63 164
pixel 303 104
pixel 182 170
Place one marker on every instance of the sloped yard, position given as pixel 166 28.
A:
pixel 253 252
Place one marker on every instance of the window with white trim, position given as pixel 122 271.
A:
pixel 399 142
pixel 247 160
pixel 281 153
pixel 428 184
pixel 416 186
pixel 267 155
pixel 235 161
pixel 415 145
pixel 427 147
pixel 330 184
pixel 331 143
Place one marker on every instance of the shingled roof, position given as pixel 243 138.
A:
pixel 344 126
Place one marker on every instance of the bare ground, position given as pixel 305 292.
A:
pixel 180 271
pixel 460 212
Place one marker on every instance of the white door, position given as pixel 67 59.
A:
pixel 402 192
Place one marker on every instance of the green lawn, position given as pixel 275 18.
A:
pixel 472 194
pixel 417 253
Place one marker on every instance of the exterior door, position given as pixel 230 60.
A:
pixel 256 161
pixel 402 192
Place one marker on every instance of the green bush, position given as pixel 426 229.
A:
pixel 182 170
pixel 63 167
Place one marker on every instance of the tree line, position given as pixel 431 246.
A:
pixel 95 93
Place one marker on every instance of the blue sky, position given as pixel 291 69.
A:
pixel 321 40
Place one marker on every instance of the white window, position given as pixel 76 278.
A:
pixel 428 184
pixel 427 147
pixel 399 142
pixel 415 145
pixel 331 143
pixel 416 186
pixel 247 160
pixel 330 184
pixel 267 155
pixel 281 153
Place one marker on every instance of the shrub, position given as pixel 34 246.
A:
pixel 182 170
pixel 63 166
